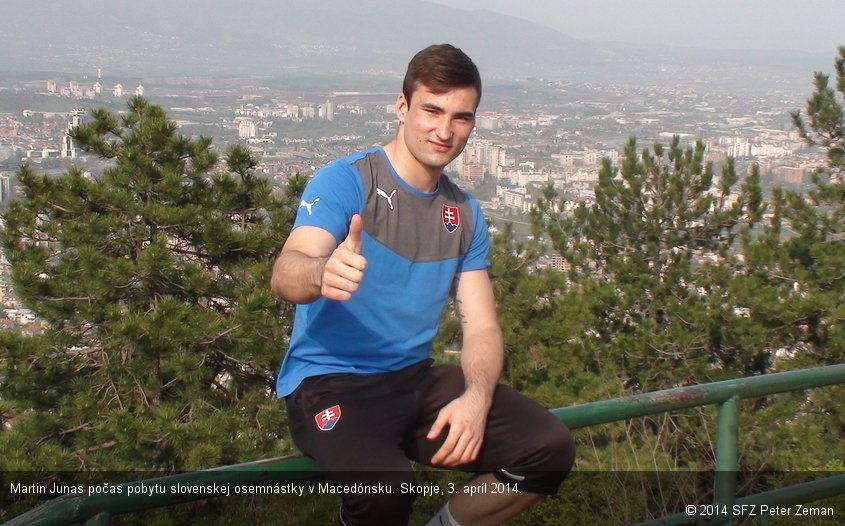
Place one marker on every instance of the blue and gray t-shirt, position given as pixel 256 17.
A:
pixel 414 243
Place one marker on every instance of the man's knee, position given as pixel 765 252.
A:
pixel 378 499
pixel 546 464
pixel 559 446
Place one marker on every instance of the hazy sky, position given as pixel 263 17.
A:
pixel 805 25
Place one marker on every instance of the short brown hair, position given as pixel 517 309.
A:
pixel 439 68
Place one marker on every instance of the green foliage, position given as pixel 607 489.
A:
pixel 163 338
pixel 825 124
pixel 802 252
pixel 651 259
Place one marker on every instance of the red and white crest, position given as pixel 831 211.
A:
pixel 328 418
pixel 451 216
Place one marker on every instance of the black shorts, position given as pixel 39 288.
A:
pixel 365 428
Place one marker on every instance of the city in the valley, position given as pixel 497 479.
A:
pixel 529 133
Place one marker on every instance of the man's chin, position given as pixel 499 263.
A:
pixel 438 165
pixel 441 159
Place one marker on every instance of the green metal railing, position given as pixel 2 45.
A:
pixel 98 509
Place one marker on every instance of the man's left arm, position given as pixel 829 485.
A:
pixel 482 356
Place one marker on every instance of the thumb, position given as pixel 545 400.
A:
pixel 353 239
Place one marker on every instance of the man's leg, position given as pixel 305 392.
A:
pixel 527 452
pixel 482 507
pixel 352 426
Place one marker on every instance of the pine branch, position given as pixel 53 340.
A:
pixel 105 445
pixel 222 335
pixel 198 255
pixel 89 299
pixel 57 207
pixel 245 367
pixel 80 427
pixel 111 382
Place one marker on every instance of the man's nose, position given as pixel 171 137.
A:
pixel 444 129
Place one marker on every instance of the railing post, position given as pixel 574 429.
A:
pixel 727 438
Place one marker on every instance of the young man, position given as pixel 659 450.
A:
pixel 381 240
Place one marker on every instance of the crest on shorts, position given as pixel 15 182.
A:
pixel 328 418
pixel 451 218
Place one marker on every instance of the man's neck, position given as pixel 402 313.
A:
pixel 417 176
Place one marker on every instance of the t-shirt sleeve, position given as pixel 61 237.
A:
pixel 330 200
pixel 476 257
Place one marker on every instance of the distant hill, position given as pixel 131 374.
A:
pixel 269 36
pixel 274 37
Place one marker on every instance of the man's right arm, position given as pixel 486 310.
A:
pixel 312 265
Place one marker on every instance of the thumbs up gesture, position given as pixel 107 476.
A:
pixel 344 269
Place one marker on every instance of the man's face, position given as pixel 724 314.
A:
pixel 437 125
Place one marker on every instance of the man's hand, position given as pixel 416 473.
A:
pixel 466 417
pixel 344 268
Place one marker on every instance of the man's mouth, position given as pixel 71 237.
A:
pixel 441 147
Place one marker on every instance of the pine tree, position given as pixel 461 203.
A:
pixel 802 254
pixel 163 338
pixel 640 257
pixel 793 288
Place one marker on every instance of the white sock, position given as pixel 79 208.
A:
pixel 443 518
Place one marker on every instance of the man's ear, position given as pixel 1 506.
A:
pixel 401 108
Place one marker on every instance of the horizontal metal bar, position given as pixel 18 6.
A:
pixel 606 411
